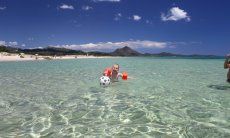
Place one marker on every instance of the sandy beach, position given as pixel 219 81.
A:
pixel 17 57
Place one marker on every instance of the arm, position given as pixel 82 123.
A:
pixel 119 75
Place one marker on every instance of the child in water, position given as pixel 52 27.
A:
pixel 113 73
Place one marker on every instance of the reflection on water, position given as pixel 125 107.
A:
pixel 64 99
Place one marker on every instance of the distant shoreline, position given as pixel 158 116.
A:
pixel 119 52
pixel 17 57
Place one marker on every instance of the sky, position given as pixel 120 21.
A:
pixel 152 26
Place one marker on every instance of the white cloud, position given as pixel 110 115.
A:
pixel 2 43
pixel 136 17
pixel 37 48
pixel 117 16
pixel 23 45
pixel 86 8
pixel 106 0
pixel 66 7
pixel 13 43
pixel 110 46
pixel 2 8
pixel 175 14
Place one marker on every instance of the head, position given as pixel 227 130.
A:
pixel 115 68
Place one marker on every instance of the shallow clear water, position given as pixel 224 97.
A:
pixel 163 98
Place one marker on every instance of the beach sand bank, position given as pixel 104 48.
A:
pixel 16 57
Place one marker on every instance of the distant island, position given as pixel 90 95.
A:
pixel 124 52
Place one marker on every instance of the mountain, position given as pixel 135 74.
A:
pixel 125 51
pixel 165 54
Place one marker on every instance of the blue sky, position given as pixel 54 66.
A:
pixel 178 26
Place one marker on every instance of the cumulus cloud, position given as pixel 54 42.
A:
pixel 136 17
pixel 2 43
pixel 117 16
pixel 86 8
pixel 106 0
pixel 66 7
pixel 175 14
pixel 110 46
pixel 2 8
pixel 13 43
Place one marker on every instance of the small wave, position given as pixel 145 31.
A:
pixel 219 87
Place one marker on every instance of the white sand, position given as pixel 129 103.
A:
pixel 15 57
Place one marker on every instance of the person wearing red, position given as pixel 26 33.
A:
pixel 113 73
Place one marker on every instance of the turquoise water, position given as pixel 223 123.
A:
pixel 163 98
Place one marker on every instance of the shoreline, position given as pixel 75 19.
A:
pixel 16 57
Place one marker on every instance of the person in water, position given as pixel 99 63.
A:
pixel 113 73
pixel 227 66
